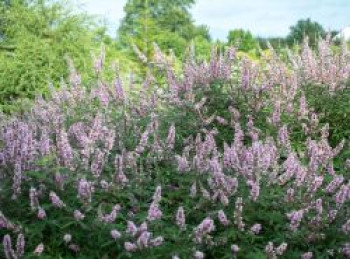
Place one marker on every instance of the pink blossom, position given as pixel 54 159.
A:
pixel 104 185
pixel 221 120
pixel 143 227
pixel 171 137
pixel 130 247
pixel 289 197
pixel 281 249
pixel 307 255
pixel 199 255
pixel 20 245
pixel 182 163
pixel 346 250
pixel 110 218
pixel 334 184
pixel 9 252
pixel 295 219
pixel 98 163
pixel 158 241
pixel 154 213
pixel 303 110
pixel 78 215
pixel 85 191
pixel 120 177
pixel 254 191
pixel 203 229
pixel 157 195
pixel 342 195
pixel 131 228
pixel 235 249
pixel 332 214
pixel 180 218
pixel 319 207
pixel 119 91
pixel 346 227
pixel 315 184
pixel 5 223
pixel 41 213
pixel 74 247
pixel 222 218
pixel 255 229
pixel 270 250
pixel 143 239
pixel 56 201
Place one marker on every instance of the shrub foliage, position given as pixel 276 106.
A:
pixel 226 158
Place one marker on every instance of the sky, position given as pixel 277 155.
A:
pixel 266 18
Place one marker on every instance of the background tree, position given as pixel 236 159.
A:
pixel 243 39
pixel 168 23
pixel 303 28
pixel 36 38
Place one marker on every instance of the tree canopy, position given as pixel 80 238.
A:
pixel 305 28
pixel 36 38
pixel 168 23
pixel 243 39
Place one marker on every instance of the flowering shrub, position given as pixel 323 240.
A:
pixel 228 158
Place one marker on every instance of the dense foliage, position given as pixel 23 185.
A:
pixel 37 38
pixel 218 159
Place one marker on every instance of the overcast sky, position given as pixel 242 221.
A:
pixel 261 17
